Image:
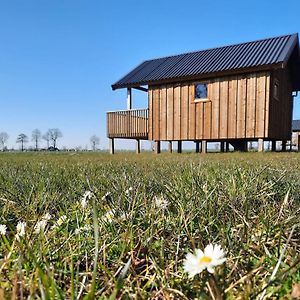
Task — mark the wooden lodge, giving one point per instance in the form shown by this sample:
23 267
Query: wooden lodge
232 95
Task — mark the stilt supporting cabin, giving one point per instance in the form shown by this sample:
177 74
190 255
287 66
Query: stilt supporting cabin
157 147
296 132
138 146
222 146
170 147
111 146
179 146
273 146
227 146
260 145
243 93
197 146
204 147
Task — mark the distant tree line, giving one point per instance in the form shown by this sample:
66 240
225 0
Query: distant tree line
51 137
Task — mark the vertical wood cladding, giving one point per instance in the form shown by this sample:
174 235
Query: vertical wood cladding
237 107
281 107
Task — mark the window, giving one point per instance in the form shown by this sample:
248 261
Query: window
276 89
201 91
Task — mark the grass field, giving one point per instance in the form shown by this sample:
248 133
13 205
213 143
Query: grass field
128 237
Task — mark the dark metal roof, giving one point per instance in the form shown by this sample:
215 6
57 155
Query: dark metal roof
296 125
261 53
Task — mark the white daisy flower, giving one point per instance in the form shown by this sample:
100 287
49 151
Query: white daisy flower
129 190
77 231
40 226
47 217
85 228
85 199
210 258
61 220
109 216
160 202
3 229
20 229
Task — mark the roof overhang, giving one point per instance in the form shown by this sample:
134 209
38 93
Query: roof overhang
199 76
256 56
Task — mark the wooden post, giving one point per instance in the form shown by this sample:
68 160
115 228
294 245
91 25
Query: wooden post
179 147
111 146
157 147
197 146
298 141
129 99
170 147
260 145
222 146
283 146
138 146
273 148
204 147
226 146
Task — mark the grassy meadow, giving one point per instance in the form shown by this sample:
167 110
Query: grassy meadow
94 227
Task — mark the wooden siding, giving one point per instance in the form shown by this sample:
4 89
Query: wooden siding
237 108
281 107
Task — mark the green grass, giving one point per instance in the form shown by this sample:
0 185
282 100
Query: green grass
248 203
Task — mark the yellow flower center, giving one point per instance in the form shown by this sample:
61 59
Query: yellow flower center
205 260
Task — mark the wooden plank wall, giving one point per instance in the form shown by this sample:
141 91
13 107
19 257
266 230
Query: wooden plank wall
238 108
281 108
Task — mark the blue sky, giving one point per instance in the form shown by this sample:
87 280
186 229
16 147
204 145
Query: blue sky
58 58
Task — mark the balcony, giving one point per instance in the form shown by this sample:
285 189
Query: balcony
128 124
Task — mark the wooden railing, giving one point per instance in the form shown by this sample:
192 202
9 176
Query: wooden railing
128 124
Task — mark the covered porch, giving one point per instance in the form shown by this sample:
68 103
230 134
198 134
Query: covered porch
128 124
